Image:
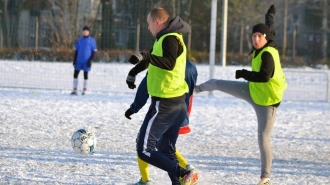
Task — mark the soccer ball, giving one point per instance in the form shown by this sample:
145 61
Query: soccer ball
83 141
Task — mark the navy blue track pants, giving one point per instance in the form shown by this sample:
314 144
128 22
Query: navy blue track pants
159 132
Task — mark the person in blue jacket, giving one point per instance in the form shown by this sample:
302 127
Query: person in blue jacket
140 100
85 49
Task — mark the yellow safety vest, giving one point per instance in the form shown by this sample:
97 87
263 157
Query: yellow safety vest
167 83
271 92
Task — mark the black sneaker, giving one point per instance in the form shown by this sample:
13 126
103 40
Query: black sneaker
74 93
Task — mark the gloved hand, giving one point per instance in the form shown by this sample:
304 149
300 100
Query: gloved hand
89 64
128 113
240 73
74 64
138 57
130 80
271 10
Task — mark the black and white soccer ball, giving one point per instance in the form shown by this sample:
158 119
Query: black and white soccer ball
83 141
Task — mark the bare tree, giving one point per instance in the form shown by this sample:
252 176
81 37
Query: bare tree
174 12
14 11
188 17
57 23
107 41
4 20
64 23
244 14
285 23
325 30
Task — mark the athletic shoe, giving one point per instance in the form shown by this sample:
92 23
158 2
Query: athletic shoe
264 181
74 93
190 167
190 178
197 90
144 183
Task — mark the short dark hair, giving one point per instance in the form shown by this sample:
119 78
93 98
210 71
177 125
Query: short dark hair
161 14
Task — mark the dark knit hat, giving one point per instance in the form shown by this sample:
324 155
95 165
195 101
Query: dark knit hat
262 28
86 28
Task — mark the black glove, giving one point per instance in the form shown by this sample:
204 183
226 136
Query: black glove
238 74
89 64
138 57
128 113
74 64
130 80
271 10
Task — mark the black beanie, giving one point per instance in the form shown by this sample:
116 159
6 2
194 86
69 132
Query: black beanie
262 28
85 28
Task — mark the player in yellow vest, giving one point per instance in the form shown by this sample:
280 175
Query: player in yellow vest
264 90
166 85
140 100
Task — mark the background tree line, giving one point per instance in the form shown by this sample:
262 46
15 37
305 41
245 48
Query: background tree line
120 26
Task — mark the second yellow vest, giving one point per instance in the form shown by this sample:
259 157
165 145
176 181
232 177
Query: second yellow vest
271 92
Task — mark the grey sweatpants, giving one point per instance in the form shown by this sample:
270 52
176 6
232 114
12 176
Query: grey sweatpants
265 116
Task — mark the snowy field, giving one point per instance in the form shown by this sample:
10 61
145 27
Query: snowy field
37 124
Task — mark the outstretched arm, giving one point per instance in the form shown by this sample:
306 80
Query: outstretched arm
171 50
269 21
264 74
75 58
140 99
141 96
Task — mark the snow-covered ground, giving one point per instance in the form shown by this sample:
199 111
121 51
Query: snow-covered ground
37 124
